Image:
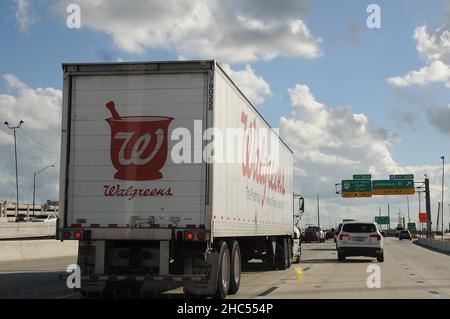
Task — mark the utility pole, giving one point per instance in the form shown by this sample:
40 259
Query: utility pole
407 203
318 212
34 182
442 200
421 224
15 156
428 205
389 216
438 213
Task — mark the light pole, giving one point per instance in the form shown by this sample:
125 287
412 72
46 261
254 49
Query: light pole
318 212
449 217
442 199
407 203
15 156
34 181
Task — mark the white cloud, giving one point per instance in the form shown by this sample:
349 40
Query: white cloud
225 30
254 87
38 140
25 15
434 48
333 143
437 71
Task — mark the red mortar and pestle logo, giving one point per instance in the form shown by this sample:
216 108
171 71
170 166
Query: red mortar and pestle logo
139 145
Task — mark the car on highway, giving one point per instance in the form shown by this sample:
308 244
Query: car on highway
314 234
398 229
329 233
22 218
360 239
404 234
44 218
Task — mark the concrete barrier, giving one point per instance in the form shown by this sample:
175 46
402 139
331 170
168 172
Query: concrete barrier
441 245
27 230
17 250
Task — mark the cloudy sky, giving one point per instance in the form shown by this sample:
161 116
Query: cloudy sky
348 99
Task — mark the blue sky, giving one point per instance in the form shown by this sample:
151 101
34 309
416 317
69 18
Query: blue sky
351 70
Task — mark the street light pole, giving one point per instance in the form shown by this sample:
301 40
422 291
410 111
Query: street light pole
407 202
318 212
442 200
15 157
34 182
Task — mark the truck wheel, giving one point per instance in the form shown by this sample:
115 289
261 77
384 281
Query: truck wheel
235 271
341 256
223 278
281 254
380 258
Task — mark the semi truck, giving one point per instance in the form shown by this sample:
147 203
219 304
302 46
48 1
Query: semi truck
170 177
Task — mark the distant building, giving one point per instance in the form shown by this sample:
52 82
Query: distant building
8 209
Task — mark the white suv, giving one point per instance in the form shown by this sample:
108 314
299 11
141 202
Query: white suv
360 239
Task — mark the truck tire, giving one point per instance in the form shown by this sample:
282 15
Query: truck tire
281 254
341 256
223 276
380 258
235 270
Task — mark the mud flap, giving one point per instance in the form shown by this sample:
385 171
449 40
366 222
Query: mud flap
206 288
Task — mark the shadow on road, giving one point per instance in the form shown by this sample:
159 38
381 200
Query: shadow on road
323 249
335 261
32 285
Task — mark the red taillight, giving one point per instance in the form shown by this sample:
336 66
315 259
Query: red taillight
342 236
201 236
66 234
378 236
189 236
78 234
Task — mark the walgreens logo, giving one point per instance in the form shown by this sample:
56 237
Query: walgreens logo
257 164
138 145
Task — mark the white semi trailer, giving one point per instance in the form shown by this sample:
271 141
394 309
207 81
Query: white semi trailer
170 177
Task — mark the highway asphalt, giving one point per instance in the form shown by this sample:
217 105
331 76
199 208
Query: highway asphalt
409 271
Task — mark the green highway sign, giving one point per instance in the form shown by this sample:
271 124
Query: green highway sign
382 220
411 226
356 188
356 185
362 176
404 176
393 187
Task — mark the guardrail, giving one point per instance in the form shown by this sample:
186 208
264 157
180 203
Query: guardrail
441 245
27 230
